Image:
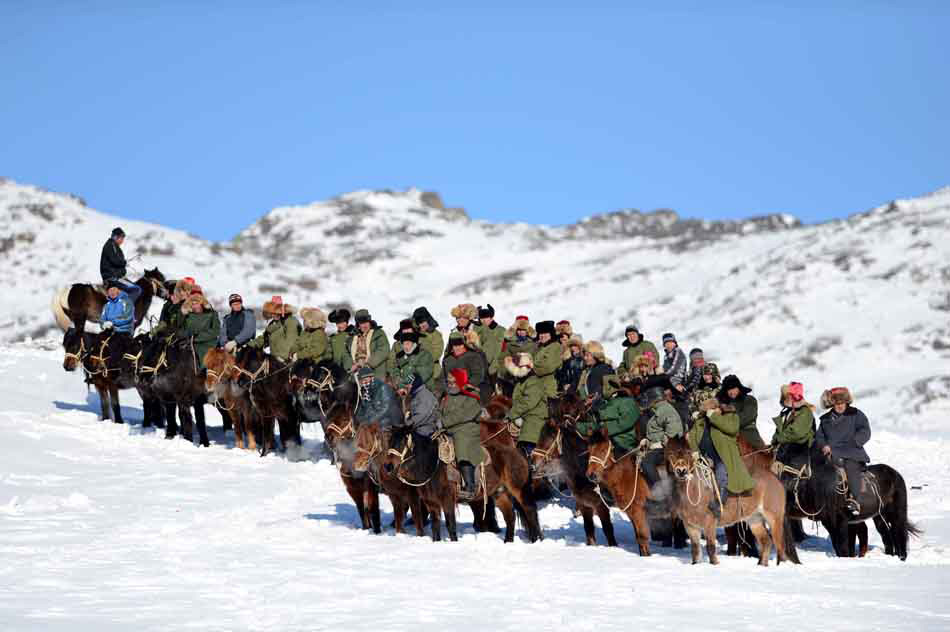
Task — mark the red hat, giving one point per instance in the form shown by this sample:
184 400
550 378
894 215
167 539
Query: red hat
277 300
563 322
522 317
461 378
190 280
195 290
796 391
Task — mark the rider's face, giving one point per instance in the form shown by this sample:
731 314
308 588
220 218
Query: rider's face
840 407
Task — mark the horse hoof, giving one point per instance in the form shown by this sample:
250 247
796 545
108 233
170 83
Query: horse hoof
119 421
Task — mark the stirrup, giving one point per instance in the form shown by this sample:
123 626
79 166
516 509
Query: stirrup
853 506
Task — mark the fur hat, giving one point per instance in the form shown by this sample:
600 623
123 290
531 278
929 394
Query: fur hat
644 364
403 336
362 316
564 327
521 322
339 315
668 337
711 368
732 381
313 318
401 333
520 368
276 307
546 327
596 349
836 395
633 327
471 339
794 391
465 310
183 287
486 312
573 341
421 314
196 297
456 338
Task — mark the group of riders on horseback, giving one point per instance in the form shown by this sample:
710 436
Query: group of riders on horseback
430 387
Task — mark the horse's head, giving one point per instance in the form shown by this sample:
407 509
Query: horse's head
400 449
300 373
75 345
679 458
601 455
249 363
219 364
547 451
569 409
369 445
156 279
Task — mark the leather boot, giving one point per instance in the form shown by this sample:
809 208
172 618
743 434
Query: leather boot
467 470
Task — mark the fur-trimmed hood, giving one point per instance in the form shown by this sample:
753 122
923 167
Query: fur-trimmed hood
627 343
187 306
838 394
564 327
524 365
566 347
597 350
183 288
313 318
465 310
273 310
521 322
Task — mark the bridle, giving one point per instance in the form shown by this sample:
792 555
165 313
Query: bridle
78 356
406 455
555 447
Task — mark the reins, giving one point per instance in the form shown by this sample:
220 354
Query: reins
609 461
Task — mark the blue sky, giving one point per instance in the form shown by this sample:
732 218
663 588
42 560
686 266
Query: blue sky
204 117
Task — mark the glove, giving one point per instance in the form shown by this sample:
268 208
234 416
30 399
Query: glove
230 346
518 422
644 444
106 325
293 356
777 468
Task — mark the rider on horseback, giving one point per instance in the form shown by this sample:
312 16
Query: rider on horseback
200 325
461 410
378 402
118 318
615 411
664 424
112 264
794 427
529 406
841 436
747 407
238 327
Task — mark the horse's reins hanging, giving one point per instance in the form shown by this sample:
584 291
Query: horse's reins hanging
609 461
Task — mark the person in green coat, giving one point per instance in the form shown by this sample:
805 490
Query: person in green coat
201 324
370 346
663 424
714 436
634 346
461 410
340 339
412 361
747 407
170 319
617 413
280 334
312 343
432 341
708 388
529 406
406 325
492 337
519 338
794 427
547 357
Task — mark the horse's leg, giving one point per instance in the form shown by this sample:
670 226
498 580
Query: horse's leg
679 533
435 515
839 536
885 534
371 502
226 421
490 523
762 537
200 418
114 400
148 409
732 539
503 502
448 509
399 512
171 427
798 530
103 394
603 512
695 550
641 527
588 514
187 423
712 545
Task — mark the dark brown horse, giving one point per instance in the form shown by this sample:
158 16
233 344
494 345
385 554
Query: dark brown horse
221 382
174 374
561 454
509 470
85 350
341 436
83 301
626 483
694 489
267 381
372 444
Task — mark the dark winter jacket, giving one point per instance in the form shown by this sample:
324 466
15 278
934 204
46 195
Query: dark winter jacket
204 328
845 434
674 365
747 407
695 378
238 326
570 373
379 403
112 261
594 384
424 412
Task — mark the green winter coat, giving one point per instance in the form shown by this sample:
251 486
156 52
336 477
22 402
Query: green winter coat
748 410
632 352
313 344
432 342
170 320
723 431
796 426
205 327
529 403
663 425
547 360
491 340
280 335
619 416
340 349
419 362
460 419
512 348
378 352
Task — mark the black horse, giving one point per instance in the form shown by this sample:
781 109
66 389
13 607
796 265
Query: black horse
267 380
883 498
83 301
318 388
172 372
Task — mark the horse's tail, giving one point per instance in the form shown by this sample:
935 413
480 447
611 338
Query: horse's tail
59 304
791 552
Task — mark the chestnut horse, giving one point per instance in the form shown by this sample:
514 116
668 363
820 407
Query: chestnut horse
694 490
221 382
267 380
626 484
512 471
372 444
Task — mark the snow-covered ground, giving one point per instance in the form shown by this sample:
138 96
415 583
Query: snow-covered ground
105 527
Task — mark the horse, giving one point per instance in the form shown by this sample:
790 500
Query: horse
414 460
694 489
221 383
372 443
561 453
314 387
83 301
819 495
172 370
507 468
267 381
626 484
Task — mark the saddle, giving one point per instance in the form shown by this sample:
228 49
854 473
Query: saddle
867 479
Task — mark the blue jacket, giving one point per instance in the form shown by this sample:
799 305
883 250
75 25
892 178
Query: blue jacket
120 312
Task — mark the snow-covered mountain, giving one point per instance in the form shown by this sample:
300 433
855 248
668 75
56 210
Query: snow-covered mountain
862 301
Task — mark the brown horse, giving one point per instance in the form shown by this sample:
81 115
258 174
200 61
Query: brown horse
221 382
561 453
694 489
626 484
83 301
267 381
509 470
372 444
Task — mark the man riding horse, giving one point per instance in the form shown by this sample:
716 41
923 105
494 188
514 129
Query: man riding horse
112 264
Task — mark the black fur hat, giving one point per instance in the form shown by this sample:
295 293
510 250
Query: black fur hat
341 315
546 327
486 312
422 314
